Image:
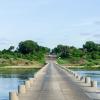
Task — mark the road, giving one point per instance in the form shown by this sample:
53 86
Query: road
54 84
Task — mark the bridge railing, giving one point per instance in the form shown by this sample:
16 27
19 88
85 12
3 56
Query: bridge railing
22 89
87 80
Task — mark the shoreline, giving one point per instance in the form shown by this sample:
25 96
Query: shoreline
92 68
23 66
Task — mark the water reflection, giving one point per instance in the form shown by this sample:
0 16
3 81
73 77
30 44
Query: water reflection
9 82
95 75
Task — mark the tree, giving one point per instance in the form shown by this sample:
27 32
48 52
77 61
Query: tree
74 52
28 46
90 46
11 48
62 51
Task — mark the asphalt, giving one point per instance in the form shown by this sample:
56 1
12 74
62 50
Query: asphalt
54 83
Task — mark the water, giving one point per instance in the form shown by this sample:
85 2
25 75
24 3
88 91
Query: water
95 75
10 82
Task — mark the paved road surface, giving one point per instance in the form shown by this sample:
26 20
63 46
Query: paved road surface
54 84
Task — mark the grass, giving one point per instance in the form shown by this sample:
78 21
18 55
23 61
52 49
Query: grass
82 64
63 61
21 68
18 70
71 61
85 68
9 63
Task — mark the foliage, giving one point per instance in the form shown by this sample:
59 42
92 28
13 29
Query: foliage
62 51
28 50
27 47
90 46
88 55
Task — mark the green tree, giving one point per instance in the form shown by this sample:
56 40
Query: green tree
90 46
28 46
61 51
11 48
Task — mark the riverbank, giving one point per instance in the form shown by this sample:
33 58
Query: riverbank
83 67
20 69
18 62
80 64
20 66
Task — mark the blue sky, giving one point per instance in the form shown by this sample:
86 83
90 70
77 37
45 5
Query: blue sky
49 22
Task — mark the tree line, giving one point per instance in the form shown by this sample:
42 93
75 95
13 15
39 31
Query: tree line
31 50
90 51
28 49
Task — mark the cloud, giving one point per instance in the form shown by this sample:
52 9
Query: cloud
85 34
97 41
96 35
97 22
4 41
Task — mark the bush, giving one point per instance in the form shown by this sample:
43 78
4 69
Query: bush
89 64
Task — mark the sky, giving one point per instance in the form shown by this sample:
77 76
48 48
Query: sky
49 22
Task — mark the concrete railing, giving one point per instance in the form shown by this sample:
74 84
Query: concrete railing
22 89
13 96
86 80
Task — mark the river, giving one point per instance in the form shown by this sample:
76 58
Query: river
95 75
9 82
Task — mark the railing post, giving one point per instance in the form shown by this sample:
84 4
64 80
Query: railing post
87 80
31 81
21 89
27 84
94 84
13 96
82 78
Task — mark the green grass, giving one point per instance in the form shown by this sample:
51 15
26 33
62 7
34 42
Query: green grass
88 64
86 68
63 61
18 70
71 61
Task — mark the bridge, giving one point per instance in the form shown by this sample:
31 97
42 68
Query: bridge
53 82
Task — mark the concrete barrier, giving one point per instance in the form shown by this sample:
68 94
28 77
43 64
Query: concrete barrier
13 96
82 78
79 77
21 89
94 84
73 72
27 84
31 81
87 80
76 75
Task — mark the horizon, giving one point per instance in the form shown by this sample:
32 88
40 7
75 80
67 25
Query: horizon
49 22
15 47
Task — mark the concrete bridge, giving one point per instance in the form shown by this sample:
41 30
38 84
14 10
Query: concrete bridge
53 82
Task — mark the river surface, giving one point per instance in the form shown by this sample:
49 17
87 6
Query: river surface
95 75
10 82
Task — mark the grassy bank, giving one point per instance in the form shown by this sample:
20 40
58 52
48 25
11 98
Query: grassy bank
82 64
18 70
21 66
85 68
72 61
20 62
